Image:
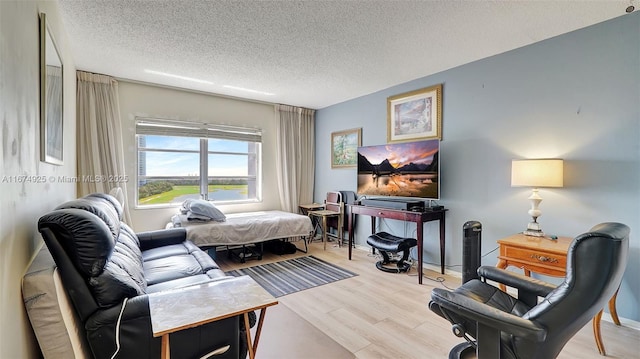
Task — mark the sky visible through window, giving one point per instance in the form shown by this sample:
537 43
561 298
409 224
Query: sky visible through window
188 163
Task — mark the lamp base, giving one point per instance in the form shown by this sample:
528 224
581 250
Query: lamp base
534 229
533 233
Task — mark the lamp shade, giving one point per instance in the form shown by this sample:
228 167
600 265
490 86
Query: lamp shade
537 173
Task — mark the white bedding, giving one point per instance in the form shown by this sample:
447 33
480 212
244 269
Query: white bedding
246 228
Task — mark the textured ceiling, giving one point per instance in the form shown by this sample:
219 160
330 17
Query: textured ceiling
308 53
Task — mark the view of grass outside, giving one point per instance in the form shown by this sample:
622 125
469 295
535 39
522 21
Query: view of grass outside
169 169
193 190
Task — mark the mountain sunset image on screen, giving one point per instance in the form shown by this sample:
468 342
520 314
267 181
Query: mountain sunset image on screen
408 169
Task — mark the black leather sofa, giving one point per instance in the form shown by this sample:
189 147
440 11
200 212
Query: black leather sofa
102 261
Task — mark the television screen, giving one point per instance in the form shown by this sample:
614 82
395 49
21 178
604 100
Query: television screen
409 169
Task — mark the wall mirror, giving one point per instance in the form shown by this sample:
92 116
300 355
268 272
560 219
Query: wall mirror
51 120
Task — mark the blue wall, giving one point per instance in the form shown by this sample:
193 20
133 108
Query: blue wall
575 96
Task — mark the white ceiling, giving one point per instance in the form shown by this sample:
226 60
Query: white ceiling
308 53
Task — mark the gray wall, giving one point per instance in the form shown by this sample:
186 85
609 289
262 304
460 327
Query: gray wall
576 97
21 204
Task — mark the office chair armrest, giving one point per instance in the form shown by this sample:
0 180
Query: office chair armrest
487 315
515 280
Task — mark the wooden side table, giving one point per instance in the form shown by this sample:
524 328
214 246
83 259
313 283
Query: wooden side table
305 209
178 309
324 214
546 256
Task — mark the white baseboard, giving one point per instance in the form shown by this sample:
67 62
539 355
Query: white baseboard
629 323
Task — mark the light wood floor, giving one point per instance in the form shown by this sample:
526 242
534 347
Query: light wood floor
385 315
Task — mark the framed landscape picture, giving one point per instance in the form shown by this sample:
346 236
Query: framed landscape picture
415 115
344 147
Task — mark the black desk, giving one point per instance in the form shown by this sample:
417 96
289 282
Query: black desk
417 217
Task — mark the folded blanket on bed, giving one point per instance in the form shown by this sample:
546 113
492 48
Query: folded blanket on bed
201 210
181 220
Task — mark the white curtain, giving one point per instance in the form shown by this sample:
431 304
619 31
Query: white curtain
100 151
295 155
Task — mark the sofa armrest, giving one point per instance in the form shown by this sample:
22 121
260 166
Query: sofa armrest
160 238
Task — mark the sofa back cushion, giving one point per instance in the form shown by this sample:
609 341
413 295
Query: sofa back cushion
105 251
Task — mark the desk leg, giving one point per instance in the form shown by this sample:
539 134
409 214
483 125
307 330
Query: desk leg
165 351
341 229
442 243
373 231
324 231
420 232
352 217
247 329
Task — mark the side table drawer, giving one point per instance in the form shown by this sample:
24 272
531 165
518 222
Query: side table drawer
535 257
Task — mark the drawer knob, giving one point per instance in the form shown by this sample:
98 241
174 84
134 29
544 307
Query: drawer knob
544 259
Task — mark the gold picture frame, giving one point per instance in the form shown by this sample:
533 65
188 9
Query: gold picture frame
415 115
51 98
344 148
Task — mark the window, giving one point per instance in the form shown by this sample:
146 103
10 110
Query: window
179 160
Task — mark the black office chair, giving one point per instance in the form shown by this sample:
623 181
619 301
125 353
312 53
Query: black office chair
497 325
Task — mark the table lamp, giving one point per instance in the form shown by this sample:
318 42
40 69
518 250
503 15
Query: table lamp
536 173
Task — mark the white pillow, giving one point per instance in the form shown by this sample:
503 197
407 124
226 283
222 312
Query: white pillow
118 194
202 208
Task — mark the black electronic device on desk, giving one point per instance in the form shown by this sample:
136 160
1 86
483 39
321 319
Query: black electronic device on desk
433 208
394 203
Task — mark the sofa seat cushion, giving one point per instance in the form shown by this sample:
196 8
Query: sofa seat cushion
184 282
186 247
177 266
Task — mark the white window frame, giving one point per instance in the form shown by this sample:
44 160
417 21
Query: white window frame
203 131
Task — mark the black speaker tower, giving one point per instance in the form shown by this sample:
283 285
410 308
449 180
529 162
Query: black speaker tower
471 248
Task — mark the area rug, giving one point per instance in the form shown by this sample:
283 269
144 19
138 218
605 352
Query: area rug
294 275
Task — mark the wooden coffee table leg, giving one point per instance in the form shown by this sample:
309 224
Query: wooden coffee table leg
247 329
164 349
259 329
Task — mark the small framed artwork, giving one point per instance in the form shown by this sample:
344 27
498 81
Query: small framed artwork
344 147
51 126
415 115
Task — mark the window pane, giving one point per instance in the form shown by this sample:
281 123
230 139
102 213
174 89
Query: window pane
167 177
228 165
216 145
169 168
228 178
169 142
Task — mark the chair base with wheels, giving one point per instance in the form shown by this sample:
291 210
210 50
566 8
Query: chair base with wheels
389 244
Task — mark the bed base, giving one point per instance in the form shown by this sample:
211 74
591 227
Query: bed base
245 252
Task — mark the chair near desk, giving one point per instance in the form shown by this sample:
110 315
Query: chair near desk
331 216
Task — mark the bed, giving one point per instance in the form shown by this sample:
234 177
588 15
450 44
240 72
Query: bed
241 229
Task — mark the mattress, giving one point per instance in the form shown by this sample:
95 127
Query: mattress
245 228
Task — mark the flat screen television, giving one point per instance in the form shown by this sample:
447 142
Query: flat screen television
409 169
